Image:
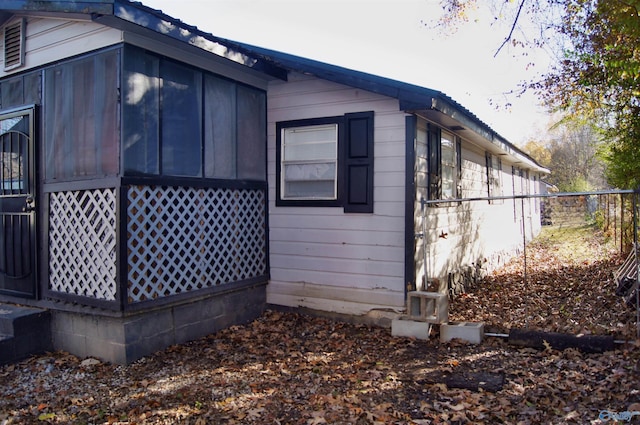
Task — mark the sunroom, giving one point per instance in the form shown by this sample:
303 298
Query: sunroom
144 191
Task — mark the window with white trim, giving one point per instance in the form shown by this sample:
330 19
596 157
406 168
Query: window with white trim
449 165
494 178
309 162
444 162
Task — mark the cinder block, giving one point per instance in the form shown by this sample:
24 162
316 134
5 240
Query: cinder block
431 307
467 331
66 341
410 328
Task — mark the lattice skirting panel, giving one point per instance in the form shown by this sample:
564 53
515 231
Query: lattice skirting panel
82 243
182 239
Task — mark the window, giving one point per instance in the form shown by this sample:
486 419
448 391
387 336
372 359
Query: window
81 110
182 121
516 181
310 162
449 166
326 162
494 178
536 188
445 164
21 90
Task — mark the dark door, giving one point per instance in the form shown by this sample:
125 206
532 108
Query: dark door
17 204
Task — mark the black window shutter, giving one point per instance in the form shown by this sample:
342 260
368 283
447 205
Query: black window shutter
458 168
358 163
487 157
435 165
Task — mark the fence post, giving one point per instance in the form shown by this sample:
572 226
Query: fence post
635 250
524 256
621 222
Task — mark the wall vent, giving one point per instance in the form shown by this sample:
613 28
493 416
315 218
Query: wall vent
14 45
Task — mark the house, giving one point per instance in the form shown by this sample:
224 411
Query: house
160 183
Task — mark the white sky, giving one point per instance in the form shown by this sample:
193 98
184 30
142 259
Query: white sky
388 38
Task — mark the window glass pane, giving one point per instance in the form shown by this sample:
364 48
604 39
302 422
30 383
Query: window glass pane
448 165
83 140
310 190
12 90
309 162
310 143
310 151
140 111
107 129
252 130
448 182
448 149
220 128
14 150
21 90
317 133
497 176
447 189
316 171
33 87
421 134
81 130
181 120
447 173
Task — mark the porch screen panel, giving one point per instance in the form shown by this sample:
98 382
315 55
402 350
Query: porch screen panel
181 122
251 134
21 90
81 118
141 112
220 128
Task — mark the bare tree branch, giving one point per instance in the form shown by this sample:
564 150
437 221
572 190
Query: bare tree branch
513 27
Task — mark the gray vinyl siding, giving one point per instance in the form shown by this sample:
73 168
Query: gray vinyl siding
49 40
476 232
320 257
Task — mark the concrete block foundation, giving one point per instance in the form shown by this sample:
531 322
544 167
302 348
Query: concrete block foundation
125 339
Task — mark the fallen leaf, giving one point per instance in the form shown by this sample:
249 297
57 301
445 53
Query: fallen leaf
46 416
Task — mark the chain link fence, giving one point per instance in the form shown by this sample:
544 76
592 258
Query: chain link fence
578 275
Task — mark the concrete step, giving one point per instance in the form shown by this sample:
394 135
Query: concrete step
23 331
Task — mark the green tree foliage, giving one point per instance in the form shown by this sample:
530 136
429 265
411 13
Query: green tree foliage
599 79
570 151
575 166
539 151
597 74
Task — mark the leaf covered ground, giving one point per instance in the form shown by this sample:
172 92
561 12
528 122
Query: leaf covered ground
287 368
568 287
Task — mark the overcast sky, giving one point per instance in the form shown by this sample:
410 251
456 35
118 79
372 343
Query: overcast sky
391 38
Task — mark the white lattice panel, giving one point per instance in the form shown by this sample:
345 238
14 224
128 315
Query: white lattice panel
181 239
82 243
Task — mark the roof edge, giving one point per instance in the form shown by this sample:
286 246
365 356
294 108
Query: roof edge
104 7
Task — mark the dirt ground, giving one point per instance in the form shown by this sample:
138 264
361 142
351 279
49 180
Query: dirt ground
286 368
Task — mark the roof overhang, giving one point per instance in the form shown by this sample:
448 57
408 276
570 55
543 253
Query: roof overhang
458 120
431 104
137 18
54 8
